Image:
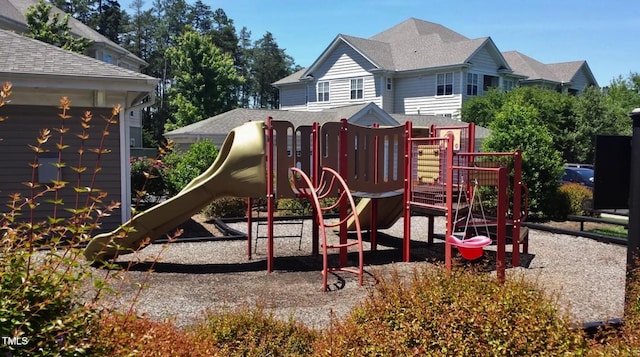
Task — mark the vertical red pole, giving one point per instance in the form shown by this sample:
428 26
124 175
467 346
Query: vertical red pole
502 224
344 173
249 226
270 198
449 202
406 243
315 172
472 138
517 208
373 225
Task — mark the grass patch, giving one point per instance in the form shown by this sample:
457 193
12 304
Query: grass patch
611 231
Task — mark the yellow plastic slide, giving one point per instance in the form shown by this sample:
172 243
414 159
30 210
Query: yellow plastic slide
239 170
389 211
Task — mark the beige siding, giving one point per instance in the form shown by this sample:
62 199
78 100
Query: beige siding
417 95
579 82
293 97
338 69
22 128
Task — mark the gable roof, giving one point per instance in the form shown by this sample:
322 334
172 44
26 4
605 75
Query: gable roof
13 13
24 57
223 123
535 70
412 45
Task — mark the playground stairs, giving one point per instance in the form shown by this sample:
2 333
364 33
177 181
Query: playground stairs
331 183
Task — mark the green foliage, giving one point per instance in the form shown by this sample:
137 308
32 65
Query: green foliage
577 194
253 332
184 167
44 297
147 181
464 314
517 126
50 28
481 110
205 80
227 207
269 63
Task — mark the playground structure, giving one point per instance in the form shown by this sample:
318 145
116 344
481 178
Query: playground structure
414 170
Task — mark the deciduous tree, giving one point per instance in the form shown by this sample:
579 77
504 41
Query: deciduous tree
205 80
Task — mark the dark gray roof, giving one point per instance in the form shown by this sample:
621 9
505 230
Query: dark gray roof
225 122
22 55
411 45
13 12
535 70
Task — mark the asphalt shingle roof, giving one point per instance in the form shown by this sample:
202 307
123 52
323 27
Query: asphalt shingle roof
535 70
23 55
411 45
14 11
225 122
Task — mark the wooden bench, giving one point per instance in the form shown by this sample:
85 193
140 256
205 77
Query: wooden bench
583 219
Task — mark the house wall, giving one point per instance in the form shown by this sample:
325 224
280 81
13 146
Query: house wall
580 81
22 127
342 65
417 95
294 97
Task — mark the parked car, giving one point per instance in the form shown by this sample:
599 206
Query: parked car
581 175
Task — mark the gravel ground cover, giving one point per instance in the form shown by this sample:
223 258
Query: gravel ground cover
587 276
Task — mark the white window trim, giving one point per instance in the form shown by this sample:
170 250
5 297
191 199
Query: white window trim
445 84
327 91
475 83
351 88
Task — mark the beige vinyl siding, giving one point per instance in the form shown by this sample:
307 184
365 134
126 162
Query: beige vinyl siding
417 95
483 64
579 81
22 128
342 65
293 97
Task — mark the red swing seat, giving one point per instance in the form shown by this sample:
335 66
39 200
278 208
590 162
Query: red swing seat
471 248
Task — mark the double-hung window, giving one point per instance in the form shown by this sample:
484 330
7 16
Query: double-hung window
323 91
472 84
444 84
357 86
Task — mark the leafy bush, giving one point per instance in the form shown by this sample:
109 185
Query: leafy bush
464 314
226 207
253 332
43 303
184 167
517 126
147 181
577 194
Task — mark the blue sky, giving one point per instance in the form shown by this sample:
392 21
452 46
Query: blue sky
604 33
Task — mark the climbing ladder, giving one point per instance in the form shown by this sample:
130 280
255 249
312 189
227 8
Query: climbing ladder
330 182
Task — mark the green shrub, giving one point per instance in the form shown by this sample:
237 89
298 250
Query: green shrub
147 181
184 167
253 332
226 207
577 194
464 314
43 303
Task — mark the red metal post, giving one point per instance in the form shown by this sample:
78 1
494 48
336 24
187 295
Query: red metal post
344 172
373 228
270 192
517 207
449 202
315 177
249 226
406 243
502 223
